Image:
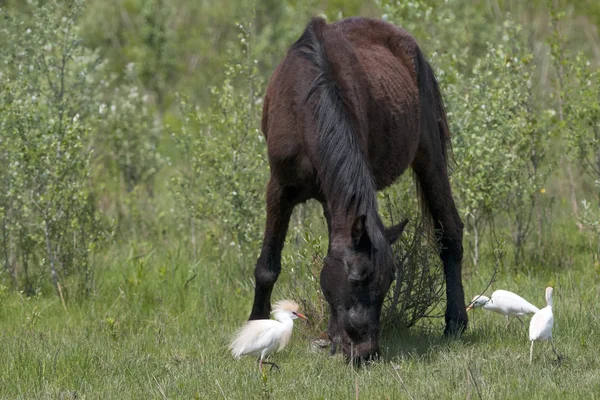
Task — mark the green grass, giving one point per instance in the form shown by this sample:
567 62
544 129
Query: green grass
146 334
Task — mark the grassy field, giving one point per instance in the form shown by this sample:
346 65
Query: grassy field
159 327
133 127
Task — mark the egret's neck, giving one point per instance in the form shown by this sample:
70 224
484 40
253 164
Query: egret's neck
549 299
284 318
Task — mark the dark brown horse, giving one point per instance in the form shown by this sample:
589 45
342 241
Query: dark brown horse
350 108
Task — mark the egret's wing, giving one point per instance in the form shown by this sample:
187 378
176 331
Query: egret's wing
285 338
513 303
255 336
540 327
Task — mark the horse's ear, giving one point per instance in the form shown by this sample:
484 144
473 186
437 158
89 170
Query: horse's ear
393 232
359 232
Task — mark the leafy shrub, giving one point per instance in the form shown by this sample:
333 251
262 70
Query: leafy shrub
582 115
47 209
502 140
131 135
223 180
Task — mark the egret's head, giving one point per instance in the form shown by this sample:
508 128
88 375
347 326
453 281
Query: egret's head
289 307
478 301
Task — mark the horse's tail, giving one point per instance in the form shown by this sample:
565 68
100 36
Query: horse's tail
342 99
433 113
433 120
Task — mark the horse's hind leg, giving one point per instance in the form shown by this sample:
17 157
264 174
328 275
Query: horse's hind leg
430 168
280 204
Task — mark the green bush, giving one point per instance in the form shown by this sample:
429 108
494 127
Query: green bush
47 208
502 140
131 136
582 124
225 172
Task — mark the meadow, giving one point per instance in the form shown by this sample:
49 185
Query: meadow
133 172
151 332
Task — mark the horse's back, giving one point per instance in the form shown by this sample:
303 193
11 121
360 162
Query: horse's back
386 55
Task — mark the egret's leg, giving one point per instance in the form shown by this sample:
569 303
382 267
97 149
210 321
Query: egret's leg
531 352
554 350
507 322
521 321
261 362
272 364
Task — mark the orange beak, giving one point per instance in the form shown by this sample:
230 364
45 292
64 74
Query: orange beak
469 307
300 315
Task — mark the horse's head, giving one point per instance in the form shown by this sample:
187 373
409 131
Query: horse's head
357 273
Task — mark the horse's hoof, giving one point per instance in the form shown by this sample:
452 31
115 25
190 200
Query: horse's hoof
333 349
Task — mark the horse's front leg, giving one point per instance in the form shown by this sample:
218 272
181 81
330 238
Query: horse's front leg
333 332
280 204
327 215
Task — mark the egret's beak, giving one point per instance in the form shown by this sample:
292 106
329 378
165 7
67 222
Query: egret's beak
300 316
469 307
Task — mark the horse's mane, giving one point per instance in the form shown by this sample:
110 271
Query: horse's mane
342 97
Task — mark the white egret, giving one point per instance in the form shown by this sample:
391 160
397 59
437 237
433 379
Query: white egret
506 303
540 327
261 337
